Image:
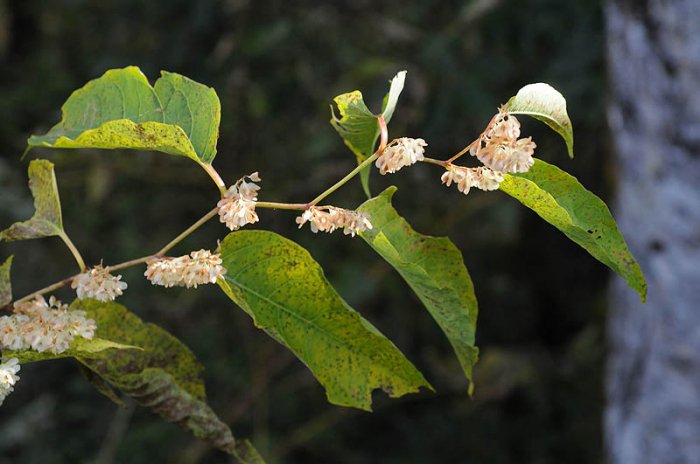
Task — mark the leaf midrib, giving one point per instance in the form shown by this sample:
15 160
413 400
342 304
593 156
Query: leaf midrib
358 349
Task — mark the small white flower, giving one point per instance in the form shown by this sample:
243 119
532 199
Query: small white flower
356 222
509 156
237 207
504 127
399 153
487 179
164 271
482 178
98 283
499 148
199 268
203 268
43 326
8 377
329 219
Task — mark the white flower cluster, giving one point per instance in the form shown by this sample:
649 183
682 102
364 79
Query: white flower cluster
98 283
8 377
482 178
399 153
199 268
237 207
43 326
329 219
500 149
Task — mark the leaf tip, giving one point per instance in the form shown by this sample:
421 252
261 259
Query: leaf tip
388 193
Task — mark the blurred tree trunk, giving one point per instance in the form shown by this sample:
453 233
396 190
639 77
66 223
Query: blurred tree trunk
653 383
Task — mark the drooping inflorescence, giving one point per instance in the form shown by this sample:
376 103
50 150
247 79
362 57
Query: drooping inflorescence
501 152
399 153
499 148
330 218
198 268
99 284
237 207
8 377
44 326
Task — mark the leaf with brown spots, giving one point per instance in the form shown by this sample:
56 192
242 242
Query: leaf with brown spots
120 110
79 347
5 284
561 200
47 220
433 267
284 290
163 375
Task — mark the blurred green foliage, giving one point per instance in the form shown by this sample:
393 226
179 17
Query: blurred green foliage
276 66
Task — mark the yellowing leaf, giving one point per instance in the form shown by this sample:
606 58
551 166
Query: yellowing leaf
284 290
163 375
120 109
79 347
544 102
125 134
5 284
433 268
46 220
117 94
561 200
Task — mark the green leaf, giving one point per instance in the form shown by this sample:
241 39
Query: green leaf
247 454
358 126
120 109
118 94
433 267
78 348
125 134
5 284
543 102
284 290
164 375
46 220
561 200
193 107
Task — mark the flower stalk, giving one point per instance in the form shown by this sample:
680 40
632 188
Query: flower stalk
73 249
383 140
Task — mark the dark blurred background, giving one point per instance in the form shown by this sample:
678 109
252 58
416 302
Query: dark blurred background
276 65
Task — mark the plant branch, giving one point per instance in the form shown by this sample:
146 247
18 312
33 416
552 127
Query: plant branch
464 150
130 263
50 288
188 231
444 164
384 136
273 205
125 264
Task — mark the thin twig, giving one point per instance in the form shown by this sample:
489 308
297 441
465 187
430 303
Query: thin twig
444 164
130 263
384 136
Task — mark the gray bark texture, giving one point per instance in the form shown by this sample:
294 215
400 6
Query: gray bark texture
653 377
